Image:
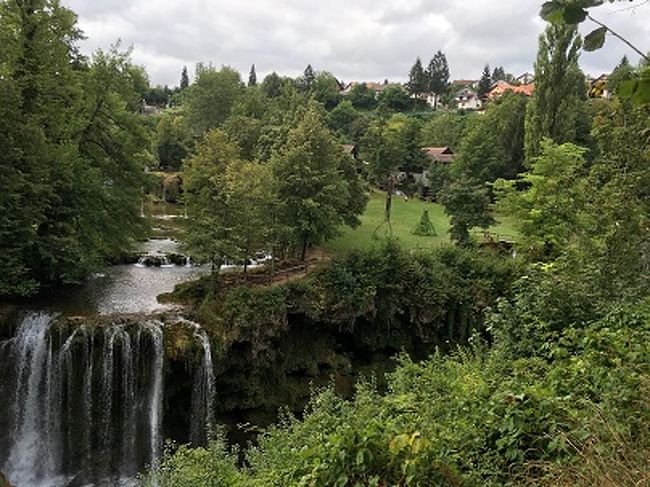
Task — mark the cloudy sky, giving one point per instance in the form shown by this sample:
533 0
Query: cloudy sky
354 39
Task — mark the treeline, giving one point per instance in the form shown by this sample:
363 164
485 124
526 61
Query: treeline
71 165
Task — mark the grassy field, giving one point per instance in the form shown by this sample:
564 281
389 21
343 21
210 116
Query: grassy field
405 215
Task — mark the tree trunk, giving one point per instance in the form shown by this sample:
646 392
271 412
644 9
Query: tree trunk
390 189
303 254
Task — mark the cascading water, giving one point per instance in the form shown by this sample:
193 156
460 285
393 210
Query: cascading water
84 403
203 389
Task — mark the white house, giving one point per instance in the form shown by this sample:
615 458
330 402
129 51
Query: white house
467 99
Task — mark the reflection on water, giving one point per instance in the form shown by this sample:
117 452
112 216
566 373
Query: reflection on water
120 289
130 288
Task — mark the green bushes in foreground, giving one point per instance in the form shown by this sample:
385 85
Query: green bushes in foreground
560 397
474 418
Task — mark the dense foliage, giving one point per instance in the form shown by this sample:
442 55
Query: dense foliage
72 147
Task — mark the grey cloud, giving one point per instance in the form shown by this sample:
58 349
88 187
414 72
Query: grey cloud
354 39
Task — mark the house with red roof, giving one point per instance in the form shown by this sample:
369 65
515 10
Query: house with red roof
502 86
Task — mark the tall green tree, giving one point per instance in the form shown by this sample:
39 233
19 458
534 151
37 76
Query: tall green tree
308 77
557 103
314 194
418 82
271 85
185 79
447 129
552 211
394 98
210 236
78 164
390 146
248 188
485 83
494 146
252 77
438 76
173 141
210 99
467 204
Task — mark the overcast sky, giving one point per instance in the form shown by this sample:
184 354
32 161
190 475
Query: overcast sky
355 39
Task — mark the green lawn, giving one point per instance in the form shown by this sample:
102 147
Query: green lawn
405 215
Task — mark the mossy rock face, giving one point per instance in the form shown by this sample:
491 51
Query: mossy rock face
8 320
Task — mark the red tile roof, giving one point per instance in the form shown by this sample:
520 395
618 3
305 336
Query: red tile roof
501 87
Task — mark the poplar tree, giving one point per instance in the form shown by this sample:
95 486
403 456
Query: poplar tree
555 107
185 79
437 75
252 77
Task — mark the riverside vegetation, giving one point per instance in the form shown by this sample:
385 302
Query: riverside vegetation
401 359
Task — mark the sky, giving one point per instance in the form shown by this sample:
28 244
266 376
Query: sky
356 40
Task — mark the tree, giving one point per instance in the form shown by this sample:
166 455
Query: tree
271 85
417 83
499 74
185 79
551 210
173 141
245 131
341 119
424 228
395 98
325 89
73 172
467 204
210 99
248 189
308 77
494 146
391 145
210 235
447 129
362 97
622 72
438 76
485 83
313 193
252 77
556 104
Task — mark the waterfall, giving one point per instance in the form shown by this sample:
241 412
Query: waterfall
84 402
155 407
203 389
31 445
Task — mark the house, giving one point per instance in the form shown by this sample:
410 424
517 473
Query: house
525 79
467 99
598 88
351 149
443 155
377 88
501 87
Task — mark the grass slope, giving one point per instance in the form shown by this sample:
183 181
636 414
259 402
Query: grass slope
405 215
